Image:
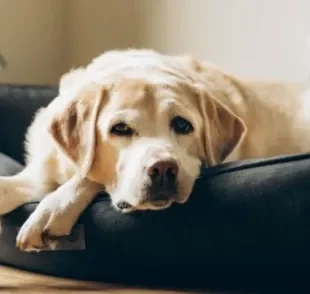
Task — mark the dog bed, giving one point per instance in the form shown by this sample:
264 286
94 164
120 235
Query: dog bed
247 224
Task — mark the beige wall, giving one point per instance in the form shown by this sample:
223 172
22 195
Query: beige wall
98 25
256 38
31 38
41 39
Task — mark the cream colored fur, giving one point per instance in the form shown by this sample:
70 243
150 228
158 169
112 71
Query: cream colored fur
71 155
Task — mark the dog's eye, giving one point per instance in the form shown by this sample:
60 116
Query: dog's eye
121 129
181 126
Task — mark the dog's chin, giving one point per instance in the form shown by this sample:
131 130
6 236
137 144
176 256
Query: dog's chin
159 205
132 205
151 205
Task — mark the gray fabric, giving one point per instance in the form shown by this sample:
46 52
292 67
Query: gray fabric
9 166
18 103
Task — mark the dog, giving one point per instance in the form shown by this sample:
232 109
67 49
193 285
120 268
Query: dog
139 125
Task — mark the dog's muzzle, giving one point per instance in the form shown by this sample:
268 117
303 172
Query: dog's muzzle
161 190
162 175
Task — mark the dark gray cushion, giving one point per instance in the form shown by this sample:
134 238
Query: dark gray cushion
246 226
18 103
9 166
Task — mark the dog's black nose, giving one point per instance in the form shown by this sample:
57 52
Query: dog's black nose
163 168
163 175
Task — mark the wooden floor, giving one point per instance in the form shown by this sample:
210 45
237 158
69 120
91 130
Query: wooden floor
17 281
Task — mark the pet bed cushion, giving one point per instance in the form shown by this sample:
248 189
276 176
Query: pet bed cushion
247 224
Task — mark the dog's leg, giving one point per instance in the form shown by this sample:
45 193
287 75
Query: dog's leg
56 214
19 189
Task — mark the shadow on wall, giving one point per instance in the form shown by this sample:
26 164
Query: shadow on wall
3 62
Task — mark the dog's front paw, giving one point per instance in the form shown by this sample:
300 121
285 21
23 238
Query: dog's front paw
43 228
33 237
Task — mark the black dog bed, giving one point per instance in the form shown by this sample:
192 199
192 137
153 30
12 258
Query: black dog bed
246 225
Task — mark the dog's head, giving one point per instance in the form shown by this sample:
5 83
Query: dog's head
142 124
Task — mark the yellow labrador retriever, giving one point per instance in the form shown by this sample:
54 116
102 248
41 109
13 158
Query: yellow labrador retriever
140 125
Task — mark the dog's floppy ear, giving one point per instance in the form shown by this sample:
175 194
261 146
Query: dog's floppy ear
74 127
223 130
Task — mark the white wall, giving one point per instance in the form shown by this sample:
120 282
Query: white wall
254 38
